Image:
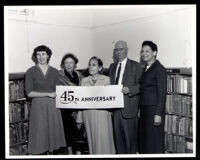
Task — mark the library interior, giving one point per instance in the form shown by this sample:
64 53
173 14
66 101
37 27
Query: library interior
89 31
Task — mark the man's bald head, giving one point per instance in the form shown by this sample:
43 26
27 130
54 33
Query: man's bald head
121 43
121 50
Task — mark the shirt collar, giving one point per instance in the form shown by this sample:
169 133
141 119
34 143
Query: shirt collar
123 62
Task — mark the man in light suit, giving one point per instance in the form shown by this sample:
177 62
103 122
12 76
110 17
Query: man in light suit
125 121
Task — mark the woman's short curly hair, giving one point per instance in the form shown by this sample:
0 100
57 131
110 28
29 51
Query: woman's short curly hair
68 55
41 48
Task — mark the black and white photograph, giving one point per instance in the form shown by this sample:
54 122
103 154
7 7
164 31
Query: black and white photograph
100 81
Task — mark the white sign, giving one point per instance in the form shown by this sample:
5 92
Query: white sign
89 97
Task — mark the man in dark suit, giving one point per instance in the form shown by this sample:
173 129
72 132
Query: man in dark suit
125 121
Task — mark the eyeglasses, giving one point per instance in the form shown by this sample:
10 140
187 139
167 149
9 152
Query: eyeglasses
119 49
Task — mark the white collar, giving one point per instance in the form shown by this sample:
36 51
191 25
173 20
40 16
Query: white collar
148 66
123 62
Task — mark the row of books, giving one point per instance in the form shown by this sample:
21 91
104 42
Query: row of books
18 133
179 83
179 104
16 90
177 144
19 150
178 125
183 71
19 111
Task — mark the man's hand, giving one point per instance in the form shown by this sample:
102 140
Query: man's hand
125 90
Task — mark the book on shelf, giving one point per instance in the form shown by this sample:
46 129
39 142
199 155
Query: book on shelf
177 144
178 119
16 90
13 134
189 147
185 71
23 149
19 150
178 125
14 151
19 111
179 104
179 84
18 133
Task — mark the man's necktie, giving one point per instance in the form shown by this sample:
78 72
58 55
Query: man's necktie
118 74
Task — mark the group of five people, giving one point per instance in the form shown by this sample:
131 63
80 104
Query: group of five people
108 131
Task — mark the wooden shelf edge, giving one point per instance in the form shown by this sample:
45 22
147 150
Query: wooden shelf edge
13 145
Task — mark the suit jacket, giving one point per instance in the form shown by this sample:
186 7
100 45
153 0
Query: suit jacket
154 87
131 79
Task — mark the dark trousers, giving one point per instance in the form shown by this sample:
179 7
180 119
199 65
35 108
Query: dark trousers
151 138
125 133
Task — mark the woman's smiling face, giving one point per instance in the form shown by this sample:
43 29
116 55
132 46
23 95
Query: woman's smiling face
42 57
69 64
147 53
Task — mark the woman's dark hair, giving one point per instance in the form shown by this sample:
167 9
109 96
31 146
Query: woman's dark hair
150 44
41 48
68 55
99 61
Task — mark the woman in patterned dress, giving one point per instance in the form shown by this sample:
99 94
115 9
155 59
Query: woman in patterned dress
46 132
69 76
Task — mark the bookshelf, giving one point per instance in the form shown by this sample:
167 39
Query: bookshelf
178 118
19 109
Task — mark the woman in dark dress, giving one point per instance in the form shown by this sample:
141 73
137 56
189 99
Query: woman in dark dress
152 102
70 77
46 132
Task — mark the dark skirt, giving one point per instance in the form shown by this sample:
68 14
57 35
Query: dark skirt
151 138
75 138
69 126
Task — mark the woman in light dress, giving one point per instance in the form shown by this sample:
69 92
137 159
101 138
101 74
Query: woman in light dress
98 122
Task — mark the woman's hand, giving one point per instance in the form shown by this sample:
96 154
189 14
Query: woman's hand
157 120
79 125
125 90
74 114
52 95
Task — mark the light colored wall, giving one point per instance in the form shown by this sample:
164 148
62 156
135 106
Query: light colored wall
121 13
173 32
64 15
61 33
